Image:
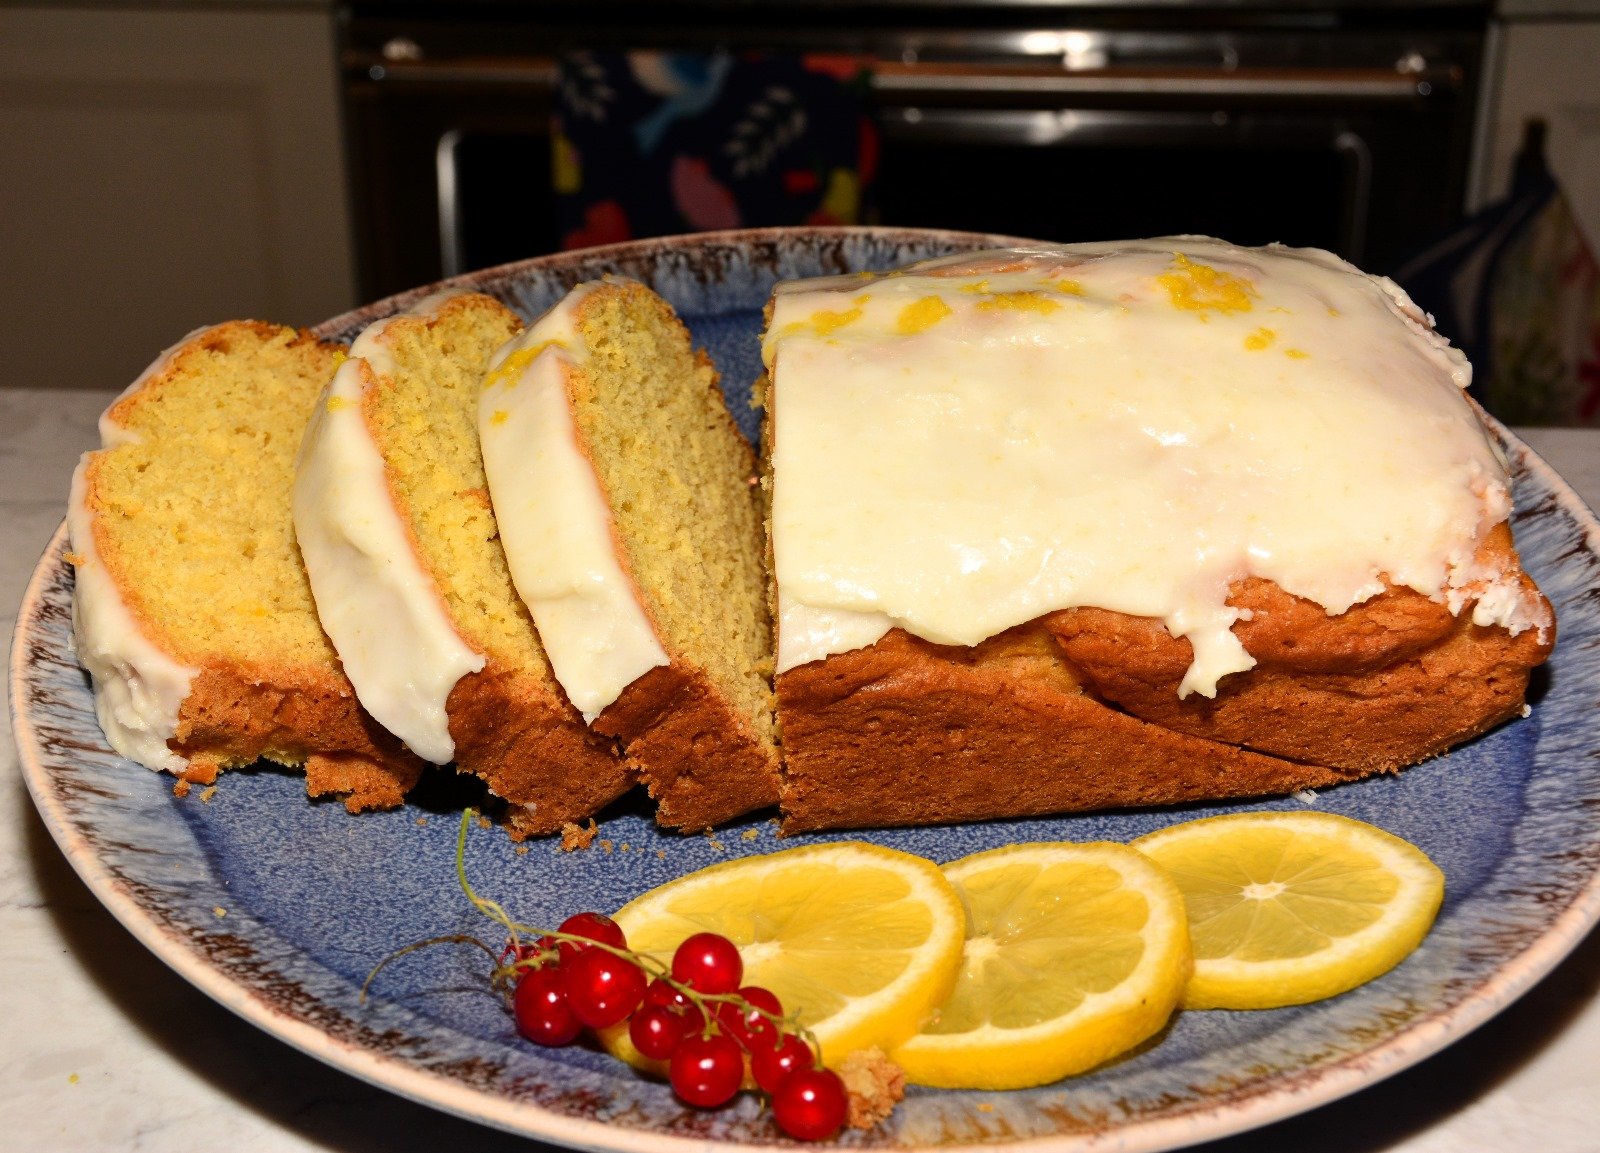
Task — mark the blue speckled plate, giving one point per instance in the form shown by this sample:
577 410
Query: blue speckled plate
278 906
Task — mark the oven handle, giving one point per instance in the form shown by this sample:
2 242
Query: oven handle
1336 84
534 72
910 80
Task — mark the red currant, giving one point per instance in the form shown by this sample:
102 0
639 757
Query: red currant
708 963
811 1104
706 1070
602 989
771 1065
745 1023
596 927
541 1009
655 1031
662 994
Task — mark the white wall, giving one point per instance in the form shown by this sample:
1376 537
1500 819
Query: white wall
1549 68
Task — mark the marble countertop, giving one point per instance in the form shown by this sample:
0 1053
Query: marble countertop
103 1047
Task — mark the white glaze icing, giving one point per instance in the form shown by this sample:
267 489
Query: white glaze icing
968 444
554 521
377 603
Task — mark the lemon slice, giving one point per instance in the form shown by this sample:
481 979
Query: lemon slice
861 941
1286 908
1074 953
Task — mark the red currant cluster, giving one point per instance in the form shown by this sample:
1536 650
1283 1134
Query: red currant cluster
694 1015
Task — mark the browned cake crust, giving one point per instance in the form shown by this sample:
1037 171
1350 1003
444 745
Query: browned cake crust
294 716
905 732
704 765
533 750
1390 682
1080 710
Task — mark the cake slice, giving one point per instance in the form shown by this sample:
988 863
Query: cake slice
626 502
394 521
191 610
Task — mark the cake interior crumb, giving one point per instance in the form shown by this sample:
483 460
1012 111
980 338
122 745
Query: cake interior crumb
875 1085
575 836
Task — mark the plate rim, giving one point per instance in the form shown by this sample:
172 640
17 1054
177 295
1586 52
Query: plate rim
1231 1114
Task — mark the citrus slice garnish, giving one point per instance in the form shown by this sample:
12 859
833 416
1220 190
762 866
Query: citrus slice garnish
1074 954
861 941
1286 908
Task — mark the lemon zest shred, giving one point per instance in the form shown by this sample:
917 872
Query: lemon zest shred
1024 301
512 368
921 315
1196 287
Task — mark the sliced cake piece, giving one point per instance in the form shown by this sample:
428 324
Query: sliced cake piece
191 610
394 522
625 499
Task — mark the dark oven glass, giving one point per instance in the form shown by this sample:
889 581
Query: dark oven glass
1348 129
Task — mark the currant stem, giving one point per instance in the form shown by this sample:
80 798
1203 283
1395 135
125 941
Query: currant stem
448 939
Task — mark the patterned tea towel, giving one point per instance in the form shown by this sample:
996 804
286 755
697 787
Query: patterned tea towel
1517 288
656 143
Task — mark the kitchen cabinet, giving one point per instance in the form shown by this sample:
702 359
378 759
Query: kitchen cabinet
160 169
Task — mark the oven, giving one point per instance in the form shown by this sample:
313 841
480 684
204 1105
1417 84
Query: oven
1344 124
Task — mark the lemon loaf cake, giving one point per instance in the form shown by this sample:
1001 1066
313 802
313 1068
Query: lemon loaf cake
1162 520
402 548
624 495
191 610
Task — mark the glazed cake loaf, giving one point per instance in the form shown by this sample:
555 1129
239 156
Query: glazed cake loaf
624 495
394 522
191 610
1127 524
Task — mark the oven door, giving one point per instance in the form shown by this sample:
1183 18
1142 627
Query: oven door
1365 162
452 166
1258 129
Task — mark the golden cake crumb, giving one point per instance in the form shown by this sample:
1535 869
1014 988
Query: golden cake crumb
875 1085
422 821
207 793
605 845
521 850
749 834
180 788
575 836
